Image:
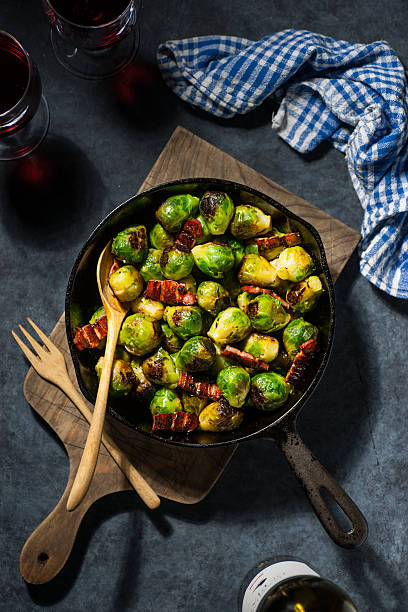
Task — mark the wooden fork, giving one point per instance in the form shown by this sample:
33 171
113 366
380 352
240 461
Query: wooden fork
50 364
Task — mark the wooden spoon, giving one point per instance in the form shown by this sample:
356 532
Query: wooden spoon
115 313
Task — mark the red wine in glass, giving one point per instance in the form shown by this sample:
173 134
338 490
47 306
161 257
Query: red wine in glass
14 74
90 12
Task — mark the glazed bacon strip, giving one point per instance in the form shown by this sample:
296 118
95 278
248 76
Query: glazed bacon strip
169 292
199 388
91 334
115 266
188 235
271 242
245 358
179 422
253 289
302 361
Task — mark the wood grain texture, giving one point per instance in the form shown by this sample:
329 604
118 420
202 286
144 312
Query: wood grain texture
185 475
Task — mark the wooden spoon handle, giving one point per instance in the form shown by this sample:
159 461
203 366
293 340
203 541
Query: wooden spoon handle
137 481
89 457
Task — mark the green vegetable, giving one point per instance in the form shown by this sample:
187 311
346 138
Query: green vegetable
294 264
175 211
230 325
140 334
238 248
196 355
160 369
234 382
213 259
296 333
122 377
265 312
304 295
192 403
249 221
159 238
171 342
165 400
205 232
190 282
98 314
256 270
212 297
217 209
269 390
145 305
143 389
176 263
130 245
262 347
126 283
185 321
151 268
219 416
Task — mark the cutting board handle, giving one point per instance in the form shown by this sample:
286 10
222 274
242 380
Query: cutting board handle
315 478
47 549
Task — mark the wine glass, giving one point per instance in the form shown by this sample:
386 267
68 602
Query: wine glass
93 39
24 116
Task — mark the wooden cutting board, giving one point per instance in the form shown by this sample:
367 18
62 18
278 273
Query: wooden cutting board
185 475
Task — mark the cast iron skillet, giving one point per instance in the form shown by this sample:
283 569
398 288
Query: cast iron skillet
82 299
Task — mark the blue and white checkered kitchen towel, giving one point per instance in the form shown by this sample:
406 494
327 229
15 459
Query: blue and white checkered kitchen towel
353 94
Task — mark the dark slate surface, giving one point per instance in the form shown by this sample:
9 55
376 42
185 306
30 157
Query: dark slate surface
193 558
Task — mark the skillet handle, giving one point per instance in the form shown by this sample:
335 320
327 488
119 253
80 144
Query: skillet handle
314 477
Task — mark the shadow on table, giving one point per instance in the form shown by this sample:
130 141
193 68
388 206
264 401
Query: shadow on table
49 193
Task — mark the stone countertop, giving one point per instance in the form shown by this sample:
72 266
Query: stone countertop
193 558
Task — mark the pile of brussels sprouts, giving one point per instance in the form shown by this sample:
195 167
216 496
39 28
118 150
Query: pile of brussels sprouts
158 340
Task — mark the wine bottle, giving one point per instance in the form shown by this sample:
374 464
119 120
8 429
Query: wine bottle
286 584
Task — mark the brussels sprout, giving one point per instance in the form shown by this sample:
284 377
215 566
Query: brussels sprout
205 232
176 263
140 334
171 342
122 377
98 314
190 282
217 209
238 248
165 400
265 312
234 383
213 259
231 284
229 326
185 321
151 268
159 238
303 296
175 211
219 416
256 270
145 305
160 369
192 403
126 283
251 248
282 362
269 254
130 245
296 333
269 390
249 221
196 355
212 297
294 264
121 353
143 389
262 347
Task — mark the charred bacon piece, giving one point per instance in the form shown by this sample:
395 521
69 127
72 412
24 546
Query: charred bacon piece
271 242
245 358
116 264
178 421
169 292
188 235
200 388
256 290
91 334
307 353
